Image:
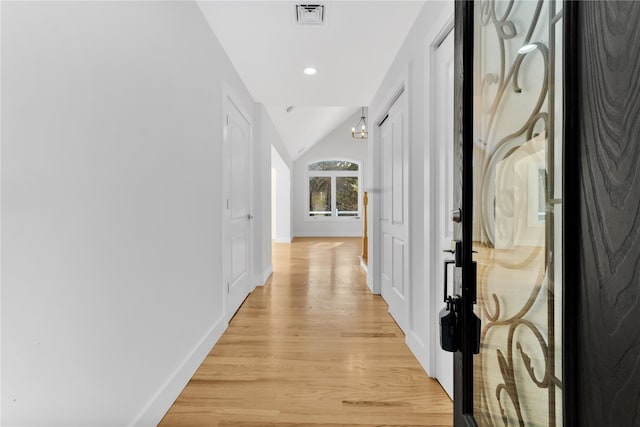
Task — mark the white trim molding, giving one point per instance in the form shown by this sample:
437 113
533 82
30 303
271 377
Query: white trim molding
161 402
329 234
432 42
266 274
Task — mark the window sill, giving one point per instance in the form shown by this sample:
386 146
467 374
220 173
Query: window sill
332 219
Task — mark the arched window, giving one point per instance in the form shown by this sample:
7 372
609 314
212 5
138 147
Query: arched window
334 189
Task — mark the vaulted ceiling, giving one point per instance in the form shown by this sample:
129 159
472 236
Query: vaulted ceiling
351 51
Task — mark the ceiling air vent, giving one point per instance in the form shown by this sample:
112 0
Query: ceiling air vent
310 14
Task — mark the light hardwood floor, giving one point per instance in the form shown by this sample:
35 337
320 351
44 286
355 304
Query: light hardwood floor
312 348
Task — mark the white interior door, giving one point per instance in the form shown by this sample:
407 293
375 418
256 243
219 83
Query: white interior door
237 213
394 160
443 226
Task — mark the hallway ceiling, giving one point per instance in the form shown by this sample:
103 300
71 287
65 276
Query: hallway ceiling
352 54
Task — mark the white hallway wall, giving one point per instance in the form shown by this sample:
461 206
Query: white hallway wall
338 145
268 138
282 165
412 63
282 171
111 207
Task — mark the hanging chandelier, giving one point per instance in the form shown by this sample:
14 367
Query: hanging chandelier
360 131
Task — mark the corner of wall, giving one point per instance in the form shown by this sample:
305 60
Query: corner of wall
160 403
283 239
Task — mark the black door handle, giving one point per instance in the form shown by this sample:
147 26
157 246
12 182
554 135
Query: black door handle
446 277
449 333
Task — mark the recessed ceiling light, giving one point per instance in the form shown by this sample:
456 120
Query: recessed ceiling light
310 71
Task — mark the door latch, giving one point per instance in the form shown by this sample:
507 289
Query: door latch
456 251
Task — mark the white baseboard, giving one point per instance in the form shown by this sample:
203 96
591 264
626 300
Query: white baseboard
160 403
419 350
363 265
283 239
329 234
267 273
370 282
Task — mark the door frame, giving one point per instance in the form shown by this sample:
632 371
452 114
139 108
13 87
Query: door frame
431 179
230 95
375 200
464 57
463 138
570 213
400 89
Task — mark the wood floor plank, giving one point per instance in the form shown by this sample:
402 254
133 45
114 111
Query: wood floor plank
315 348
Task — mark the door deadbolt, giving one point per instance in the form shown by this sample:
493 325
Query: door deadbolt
456 216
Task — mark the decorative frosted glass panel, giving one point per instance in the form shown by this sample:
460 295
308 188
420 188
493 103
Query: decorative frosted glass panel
517 236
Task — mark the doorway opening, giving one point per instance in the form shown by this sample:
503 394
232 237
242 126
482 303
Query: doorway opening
280 198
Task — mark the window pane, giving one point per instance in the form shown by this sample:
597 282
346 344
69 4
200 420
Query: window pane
347 195
320 196
333 165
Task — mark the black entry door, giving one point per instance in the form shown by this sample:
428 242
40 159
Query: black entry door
604 389
509 185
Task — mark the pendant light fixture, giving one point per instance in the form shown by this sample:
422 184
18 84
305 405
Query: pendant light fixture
360 131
